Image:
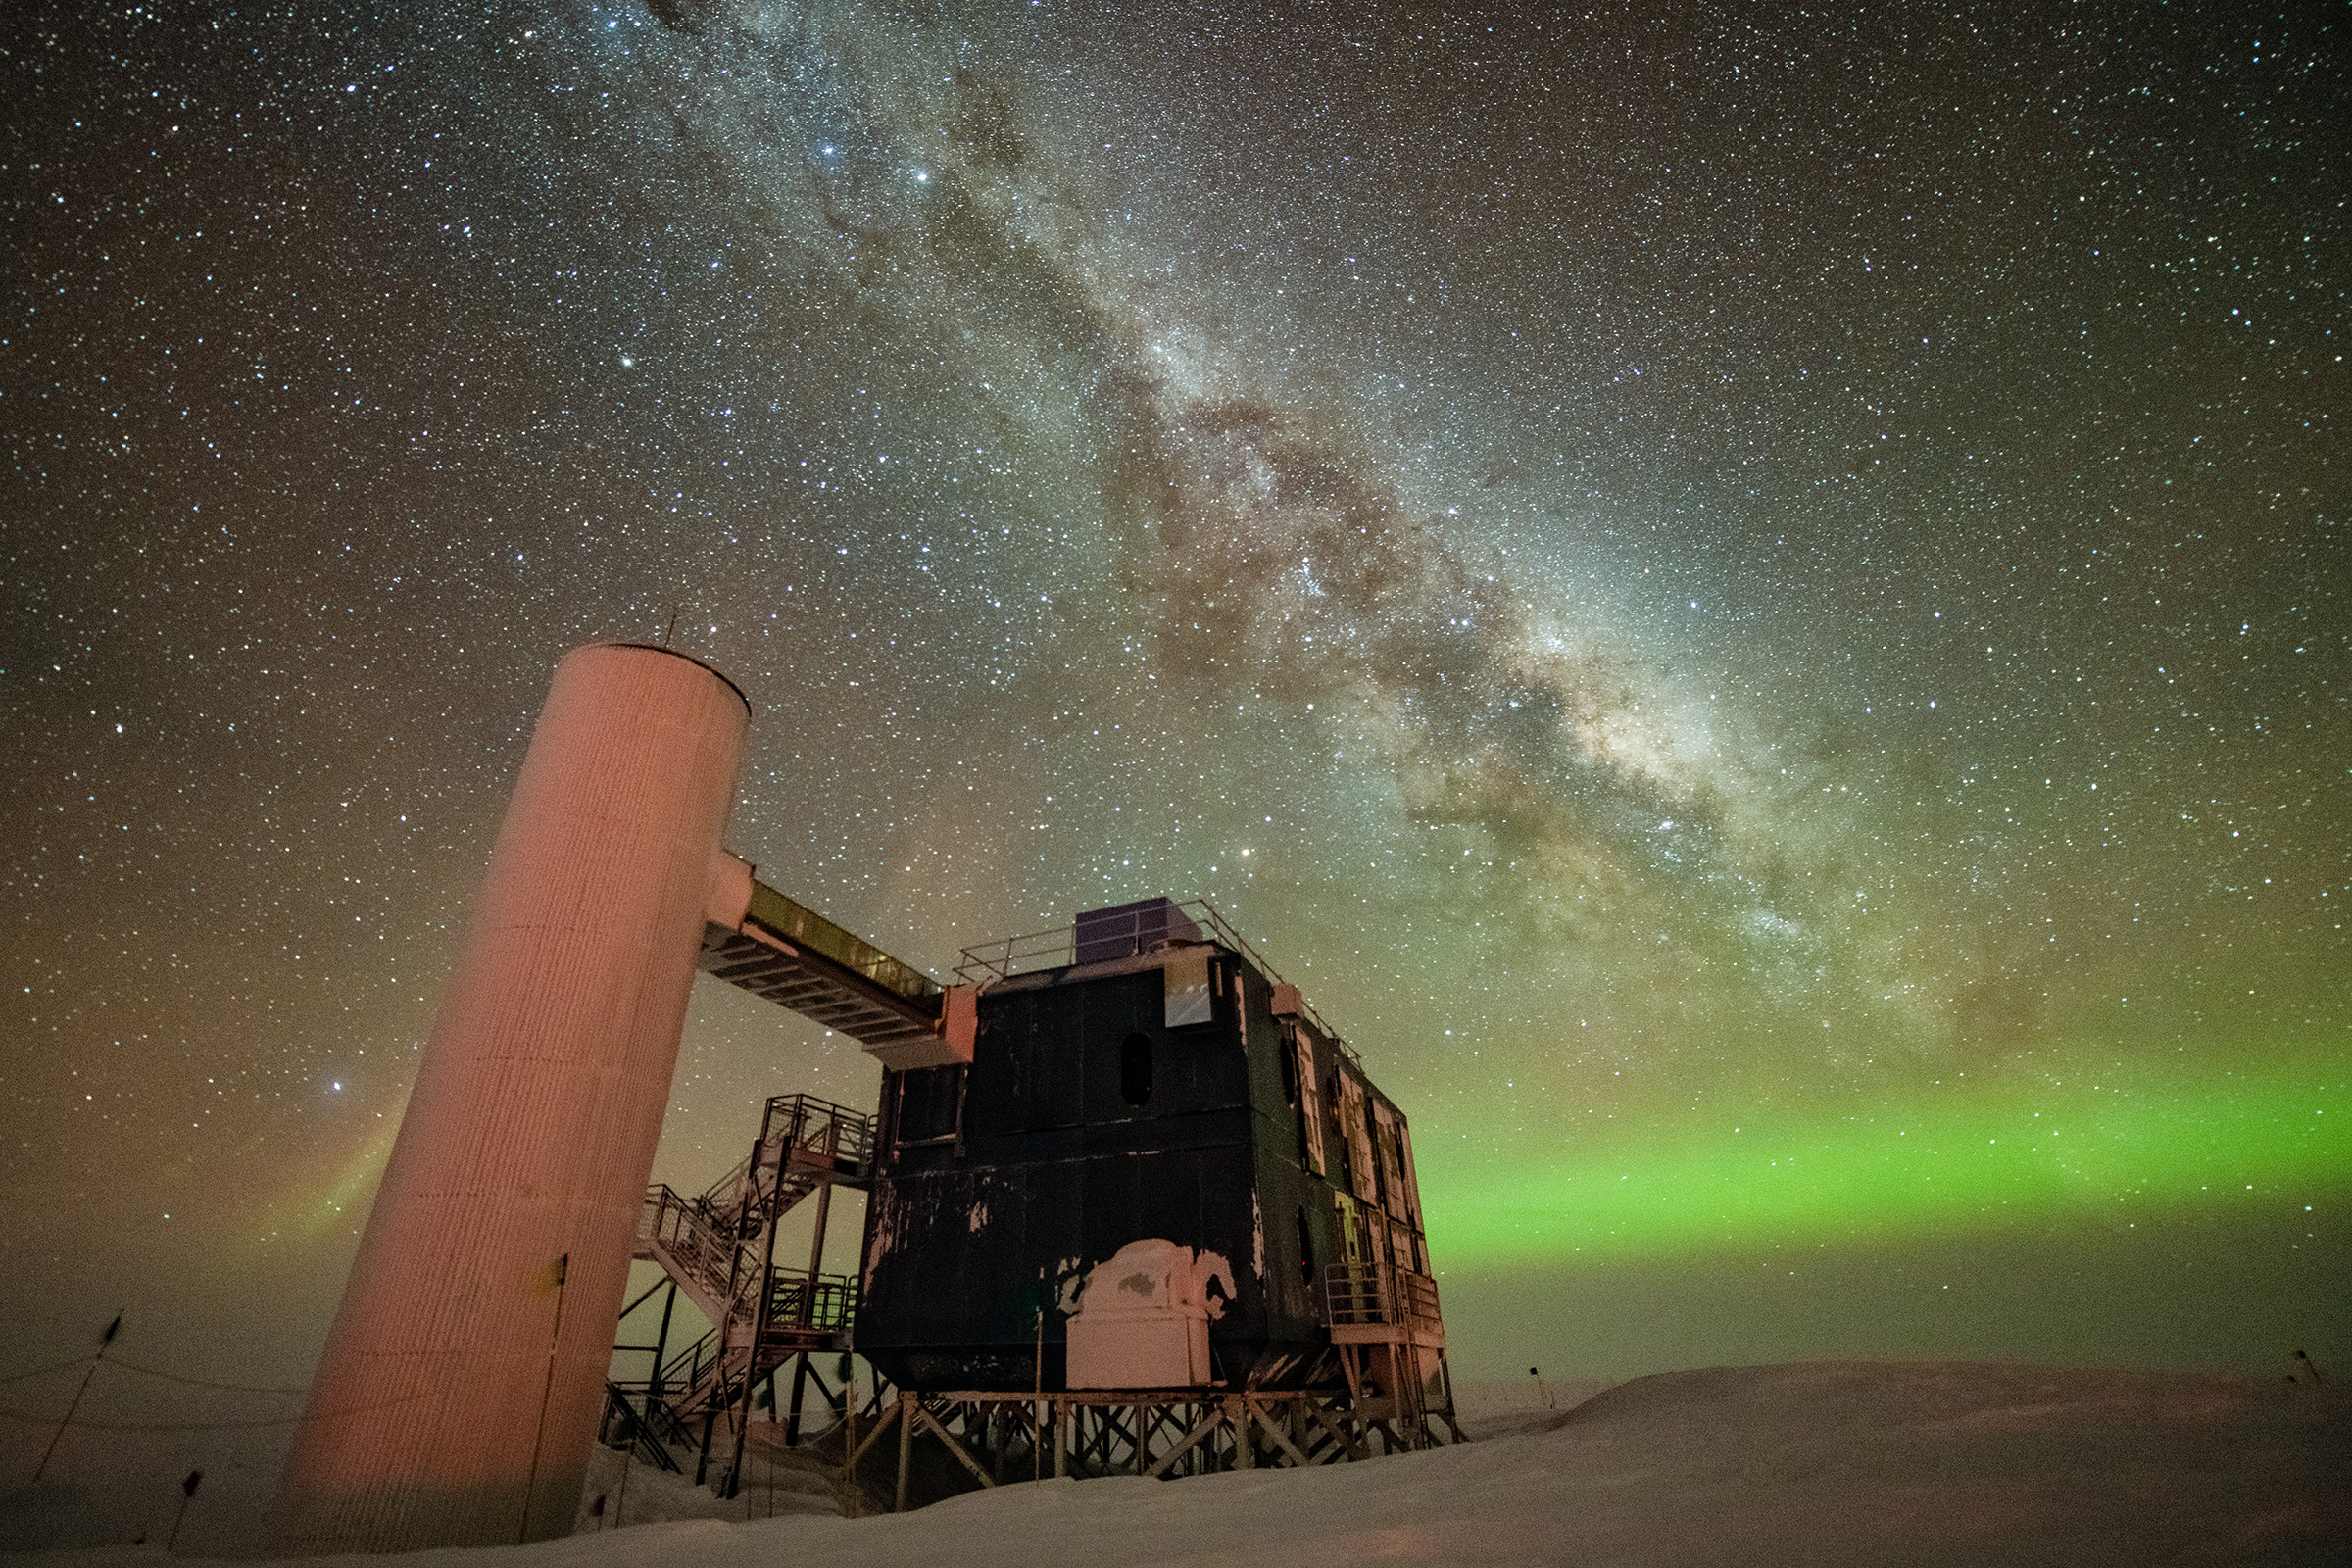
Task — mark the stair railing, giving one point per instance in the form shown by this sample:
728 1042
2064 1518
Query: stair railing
1363 1294
706 1248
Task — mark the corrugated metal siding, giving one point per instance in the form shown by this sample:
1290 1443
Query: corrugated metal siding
529 1133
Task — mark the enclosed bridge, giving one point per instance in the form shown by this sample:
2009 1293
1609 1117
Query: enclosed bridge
1133 1206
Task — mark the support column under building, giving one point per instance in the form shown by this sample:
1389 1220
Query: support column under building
461 1383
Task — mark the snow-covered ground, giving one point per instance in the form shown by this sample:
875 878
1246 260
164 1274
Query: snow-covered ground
1839 1463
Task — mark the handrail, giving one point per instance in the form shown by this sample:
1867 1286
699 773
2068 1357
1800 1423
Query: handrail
688 1230
641 1435
711 1232
796 1122
686 1366
717 1241
798 1304
727 1188
794 921
1058 947
1362 1295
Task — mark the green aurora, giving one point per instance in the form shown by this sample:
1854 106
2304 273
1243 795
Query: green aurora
1989 1152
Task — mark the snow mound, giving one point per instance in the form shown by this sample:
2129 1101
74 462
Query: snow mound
1820 1465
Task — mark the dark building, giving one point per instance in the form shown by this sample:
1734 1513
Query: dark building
1159 1170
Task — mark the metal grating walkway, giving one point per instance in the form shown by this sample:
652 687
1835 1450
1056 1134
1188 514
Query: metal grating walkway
789 954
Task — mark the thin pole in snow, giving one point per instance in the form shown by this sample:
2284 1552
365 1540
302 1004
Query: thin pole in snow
188 1494
620 1498
104 1340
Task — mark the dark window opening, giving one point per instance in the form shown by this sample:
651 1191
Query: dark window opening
1289 1069
1306 1250
1135 1069
930 1104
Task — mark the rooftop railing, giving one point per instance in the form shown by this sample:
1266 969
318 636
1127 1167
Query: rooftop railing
1152 928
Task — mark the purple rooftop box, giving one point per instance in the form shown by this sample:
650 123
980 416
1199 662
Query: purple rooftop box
1125 929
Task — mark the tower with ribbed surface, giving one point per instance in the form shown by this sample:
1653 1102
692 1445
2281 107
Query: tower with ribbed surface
463 1380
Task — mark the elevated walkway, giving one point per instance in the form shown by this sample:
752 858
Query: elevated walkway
785 952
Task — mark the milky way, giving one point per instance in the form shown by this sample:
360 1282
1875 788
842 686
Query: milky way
1754 604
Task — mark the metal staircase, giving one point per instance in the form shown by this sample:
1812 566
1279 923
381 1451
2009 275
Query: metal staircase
717 1248
1390 1336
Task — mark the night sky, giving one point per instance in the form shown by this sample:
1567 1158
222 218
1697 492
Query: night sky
1753 603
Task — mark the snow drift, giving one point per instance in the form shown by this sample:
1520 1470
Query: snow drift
1826 1464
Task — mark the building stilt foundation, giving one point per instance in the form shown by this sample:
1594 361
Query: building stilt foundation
996 1438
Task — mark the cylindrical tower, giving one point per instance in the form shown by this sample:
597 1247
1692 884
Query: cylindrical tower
465 1374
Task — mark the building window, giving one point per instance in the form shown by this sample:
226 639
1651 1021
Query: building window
1135 1069
930 1106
